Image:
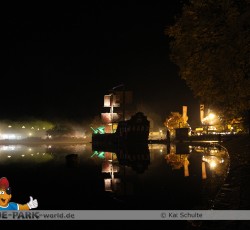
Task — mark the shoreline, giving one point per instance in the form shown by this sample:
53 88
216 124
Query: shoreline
234 194
42 142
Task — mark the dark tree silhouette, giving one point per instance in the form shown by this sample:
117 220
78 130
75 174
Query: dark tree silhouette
210 43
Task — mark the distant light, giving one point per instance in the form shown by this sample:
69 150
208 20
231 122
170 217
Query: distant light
23 127
9 126
8 136
7 148
212 164
211 116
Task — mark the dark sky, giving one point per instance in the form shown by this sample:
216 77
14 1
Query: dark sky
60 60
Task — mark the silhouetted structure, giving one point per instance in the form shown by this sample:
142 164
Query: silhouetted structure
135 156
181 134
135 130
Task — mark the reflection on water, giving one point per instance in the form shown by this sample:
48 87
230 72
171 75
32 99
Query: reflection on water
134 177
20 153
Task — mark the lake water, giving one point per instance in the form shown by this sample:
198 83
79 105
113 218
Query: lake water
151 177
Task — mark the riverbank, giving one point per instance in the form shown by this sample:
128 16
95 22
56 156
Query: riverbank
235 193
239 150
237 182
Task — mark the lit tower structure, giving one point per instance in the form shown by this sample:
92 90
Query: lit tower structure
116 101
201 113
110 101
184 115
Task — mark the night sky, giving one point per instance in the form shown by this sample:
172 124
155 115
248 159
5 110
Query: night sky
60 60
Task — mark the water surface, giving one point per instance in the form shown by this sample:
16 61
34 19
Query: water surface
77 177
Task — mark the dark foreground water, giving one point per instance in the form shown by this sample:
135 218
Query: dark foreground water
77 177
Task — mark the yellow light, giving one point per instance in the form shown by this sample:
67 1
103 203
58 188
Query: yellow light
203 170
211 116
212 164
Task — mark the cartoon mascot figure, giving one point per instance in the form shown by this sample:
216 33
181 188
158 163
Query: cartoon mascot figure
5 197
